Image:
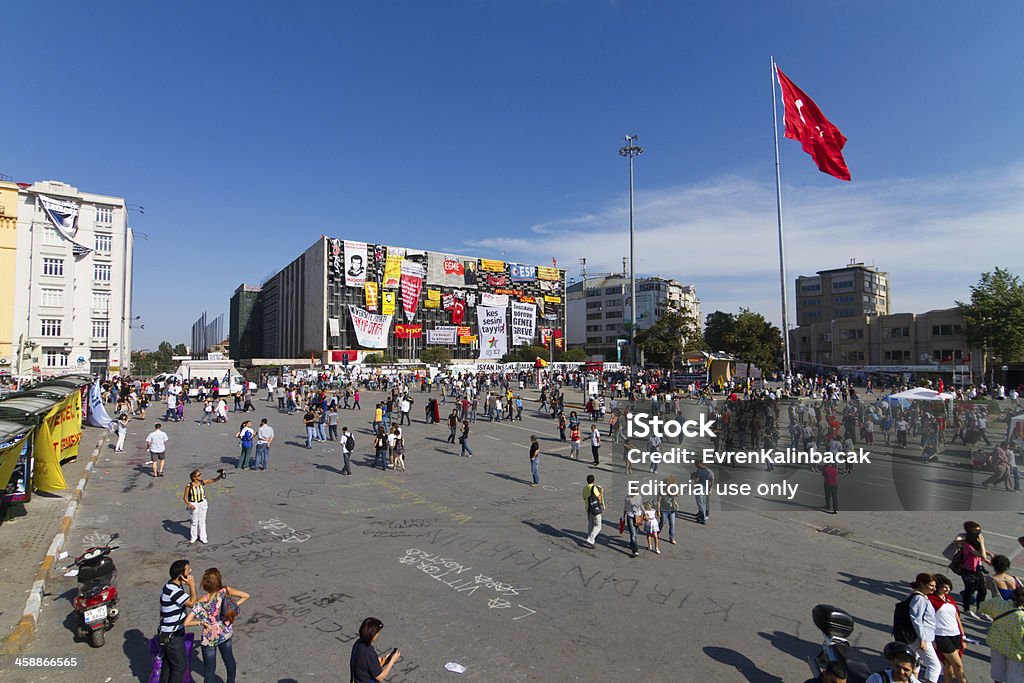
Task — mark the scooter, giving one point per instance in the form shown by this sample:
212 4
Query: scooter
837 626
97 593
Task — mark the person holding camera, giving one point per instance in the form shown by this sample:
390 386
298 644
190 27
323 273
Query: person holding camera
365 665
215 612
195 499
174 606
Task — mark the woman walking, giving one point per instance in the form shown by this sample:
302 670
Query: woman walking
209 612
245 441
949 631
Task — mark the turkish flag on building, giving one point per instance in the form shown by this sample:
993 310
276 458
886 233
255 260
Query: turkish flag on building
817 135
458 311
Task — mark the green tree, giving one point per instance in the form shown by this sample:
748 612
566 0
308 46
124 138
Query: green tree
994 318
436 355
180 350
379 359
573 355
717 328
665 340
755 340
526 354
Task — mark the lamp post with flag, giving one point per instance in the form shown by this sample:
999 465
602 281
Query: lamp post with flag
631 151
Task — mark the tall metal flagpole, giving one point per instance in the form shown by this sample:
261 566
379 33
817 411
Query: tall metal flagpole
782 253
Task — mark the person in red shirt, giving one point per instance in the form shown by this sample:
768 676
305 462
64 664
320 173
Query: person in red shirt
830 477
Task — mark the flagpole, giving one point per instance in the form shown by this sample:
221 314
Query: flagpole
782 254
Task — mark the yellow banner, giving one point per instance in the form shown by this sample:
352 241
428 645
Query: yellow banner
433 295
431 303
9 460
553 299
392 270
467 339
371 296
57 440
492 265
548 273
388 306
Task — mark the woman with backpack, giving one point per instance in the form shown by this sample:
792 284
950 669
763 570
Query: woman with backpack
922 620
245 441
211 612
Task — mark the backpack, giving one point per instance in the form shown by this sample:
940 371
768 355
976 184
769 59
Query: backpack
902 624
246 438
350 443
594 506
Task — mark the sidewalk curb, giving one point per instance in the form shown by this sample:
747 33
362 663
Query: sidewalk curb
25 630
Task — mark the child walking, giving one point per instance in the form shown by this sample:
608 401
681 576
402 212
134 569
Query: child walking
651 527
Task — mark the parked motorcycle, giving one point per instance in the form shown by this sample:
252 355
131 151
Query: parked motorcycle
837 626
96 601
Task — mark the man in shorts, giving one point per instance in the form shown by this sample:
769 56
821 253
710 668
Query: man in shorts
157 444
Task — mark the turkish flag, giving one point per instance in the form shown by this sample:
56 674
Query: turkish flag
458 311
817 135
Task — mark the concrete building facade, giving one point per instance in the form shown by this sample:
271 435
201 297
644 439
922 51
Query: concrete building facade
899 343
305 309
72 306
598 309
856 290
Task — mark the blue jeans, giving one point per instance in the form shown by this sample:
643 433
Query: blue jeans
381 456
668 521
310 436
535 469
262 453
634 546
321 432
702 507
465 447
210 662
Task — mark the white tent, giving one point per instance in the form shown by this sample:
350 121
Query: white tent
921 394
1016 428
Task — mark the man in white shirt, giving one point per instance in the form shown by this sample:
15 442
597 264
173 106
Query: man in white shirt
264 437
595 444
157 444
172 404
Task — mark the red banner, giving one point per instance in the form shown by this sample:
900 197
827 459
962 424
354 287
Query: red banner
453 267
412 285
339 356
408 331
818 136
459 313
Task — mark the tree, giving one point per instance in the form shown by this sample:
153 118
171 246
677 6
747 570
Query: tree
717 328
180 350
573 355
526 354
755 340
665 340
436 355
994 318
149 363
379 359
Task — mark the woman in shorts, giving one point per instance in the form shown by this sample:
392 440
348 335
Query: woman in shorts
949 631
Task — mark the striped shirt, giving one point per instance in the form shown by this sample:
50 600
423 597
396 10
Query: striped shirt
196 493
172 608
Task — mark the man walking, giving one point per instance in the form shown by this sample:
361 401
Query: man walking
405 406
464 440
535 460
453 423
157 444
595 444
593 498
309 419
264 437
175 604
830 479
705 478
348 444
633 510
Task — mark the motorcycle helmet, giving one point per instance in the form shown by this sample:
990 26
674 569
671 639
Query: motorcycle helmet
896 647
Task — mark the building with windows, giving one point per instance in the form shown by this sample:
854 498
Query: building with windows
856 290
72 305
8 267
598 309
343 299
207 336
899 343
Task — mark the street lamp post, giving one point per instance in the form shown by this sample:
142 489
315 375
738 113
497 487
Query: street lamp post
630 151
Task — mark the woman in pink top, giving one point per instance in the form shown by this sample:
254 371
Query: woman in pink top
973 547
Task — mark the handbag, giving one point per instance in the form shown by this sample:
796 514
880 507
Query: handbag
638 521
228 608
622 524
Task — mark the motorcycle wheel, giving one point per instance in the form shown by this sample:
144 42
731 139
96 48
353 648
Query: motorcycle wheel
97 637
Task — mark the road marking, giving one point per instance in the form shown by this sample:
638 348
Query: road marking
488 436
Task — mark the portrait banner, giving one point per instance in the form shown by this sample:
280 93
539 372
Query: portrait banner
388 303
355 264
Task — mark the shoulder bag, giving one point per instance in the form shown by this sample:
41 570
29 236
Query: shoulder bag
228 608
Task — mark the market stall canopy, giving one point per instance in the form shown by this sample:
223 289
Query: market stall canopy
73 381
12 431
21 408
1016 428
49 391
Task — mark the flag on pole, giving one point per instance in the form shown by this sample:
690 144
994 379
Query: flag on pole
818 136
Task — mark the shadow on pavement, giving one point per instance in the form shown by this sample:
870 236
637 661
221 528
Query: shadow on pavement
502 475
897 590
136 649
177 528
742 664
327 468
791 645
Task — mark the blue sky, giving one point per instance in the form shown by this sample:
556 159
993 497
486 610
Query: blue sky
492 127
